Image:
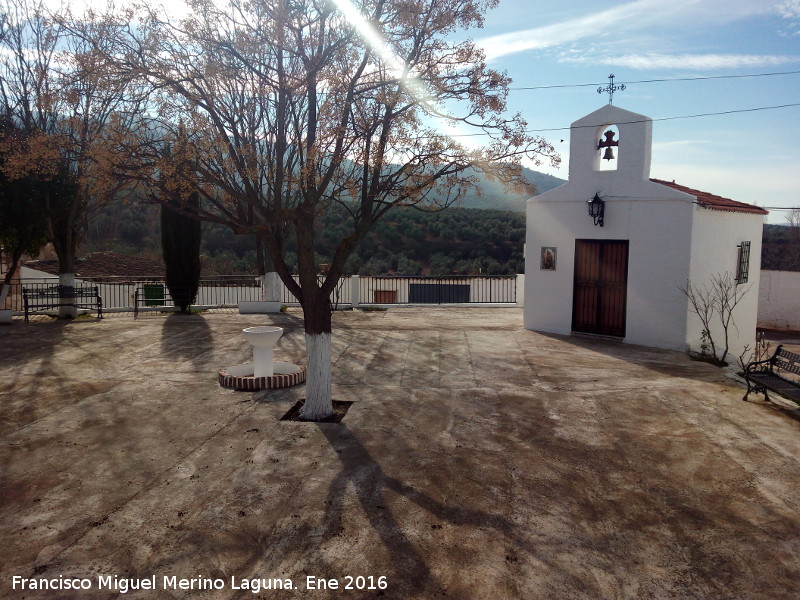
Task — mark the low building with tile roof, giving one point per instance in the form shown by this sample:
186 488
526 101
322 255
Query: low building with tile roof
99 266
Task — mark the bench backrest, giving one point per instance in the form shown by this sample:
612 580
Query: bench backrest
57 291
788 361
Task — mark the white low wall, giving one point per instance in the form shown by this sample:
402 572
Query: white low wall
779 300
397 290
351 291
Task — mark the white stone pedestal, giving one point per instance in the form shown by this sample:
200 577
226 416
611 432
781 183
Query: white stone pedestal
263 339
270 294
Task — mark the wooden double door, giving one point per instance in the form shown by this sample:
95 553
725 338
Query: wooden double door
600 288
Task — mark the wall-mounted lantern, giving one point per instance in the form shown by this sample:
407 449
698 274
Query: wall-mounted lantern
597 207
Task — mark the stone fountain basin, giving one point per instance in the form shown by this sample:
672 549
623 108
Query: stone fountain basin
263 372
262 336
240 377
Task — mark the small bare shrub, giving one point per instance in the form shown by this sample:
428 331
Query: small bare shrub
719 298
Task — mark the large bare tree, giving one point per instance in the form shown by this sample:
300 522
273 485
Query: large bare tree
54 89
293 107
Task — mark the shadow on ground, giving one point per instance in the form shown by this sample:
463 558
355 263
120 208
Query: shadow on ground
478 460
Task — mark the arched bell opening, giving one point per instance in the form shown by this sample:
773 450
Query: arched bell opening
608 148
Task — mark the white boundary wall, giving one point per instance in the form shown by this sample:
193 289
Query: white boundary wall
779 300
484 291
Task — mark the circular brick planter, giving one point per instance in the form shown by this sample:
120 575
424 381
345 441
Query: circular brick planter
241 377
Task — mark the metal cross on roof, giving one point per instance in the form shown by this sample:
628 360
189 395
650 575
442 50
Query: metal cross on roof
611 88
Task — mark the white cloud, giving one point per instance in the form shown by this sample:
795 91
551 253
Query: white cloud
567 31
686 61
790 10
636 15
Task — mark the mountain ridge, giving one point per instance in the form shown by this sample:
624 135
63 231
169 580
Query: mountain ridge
494 197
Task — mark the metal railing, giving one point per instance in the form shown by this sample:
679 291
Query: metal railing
467 289
119 293
341 294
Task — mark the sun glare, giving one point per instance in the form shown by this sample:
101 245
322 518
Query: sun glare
413 85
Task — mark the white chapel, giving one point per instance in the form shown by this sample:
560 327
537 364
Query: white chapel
608 252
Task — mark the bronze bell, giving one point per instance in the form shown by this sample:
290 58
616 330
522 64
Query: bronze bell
608 154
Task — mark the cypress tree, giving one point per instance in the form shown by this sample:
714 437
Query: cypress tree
23 218
180 244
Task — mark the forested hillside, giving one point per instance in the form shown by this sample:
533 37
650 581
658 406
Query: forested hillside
484 234
455 241
493 195
781 248
405 242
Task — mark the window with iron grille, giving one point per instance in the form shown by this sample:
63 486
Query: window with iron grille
743 264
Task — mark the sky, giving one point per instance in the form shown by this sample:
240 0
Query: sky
751 156
570 48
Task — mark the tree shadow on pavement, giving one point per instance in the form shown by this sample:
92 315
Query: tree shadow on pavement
411 574
186 337
414 574
32 369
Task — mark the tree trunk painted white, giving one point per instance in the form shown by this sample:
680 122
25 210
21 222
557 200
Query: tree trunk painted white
4 294
67 312
318 403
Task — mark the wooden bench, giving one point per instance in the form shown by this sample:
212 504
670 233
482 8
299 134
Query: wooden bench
768 374
56 296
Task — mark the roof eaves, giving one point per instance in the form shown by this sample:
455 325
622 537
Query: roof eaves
714 202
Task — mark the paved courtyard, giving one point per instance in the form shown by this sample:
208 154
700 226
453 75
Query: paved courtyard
478 461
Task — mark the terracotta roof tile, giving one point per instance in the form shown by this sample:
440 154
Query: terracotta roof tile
97 265
48 266
713 202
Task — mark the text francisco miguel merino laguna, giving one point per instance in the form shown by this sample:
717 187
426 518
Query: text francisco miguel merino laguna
172 582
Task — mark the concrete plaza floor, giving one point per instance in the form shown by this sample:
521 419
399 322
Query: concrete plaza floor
478 461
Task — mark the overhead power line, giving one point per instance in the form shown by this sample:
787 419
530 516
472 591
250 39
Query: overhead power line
709 114
666 80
